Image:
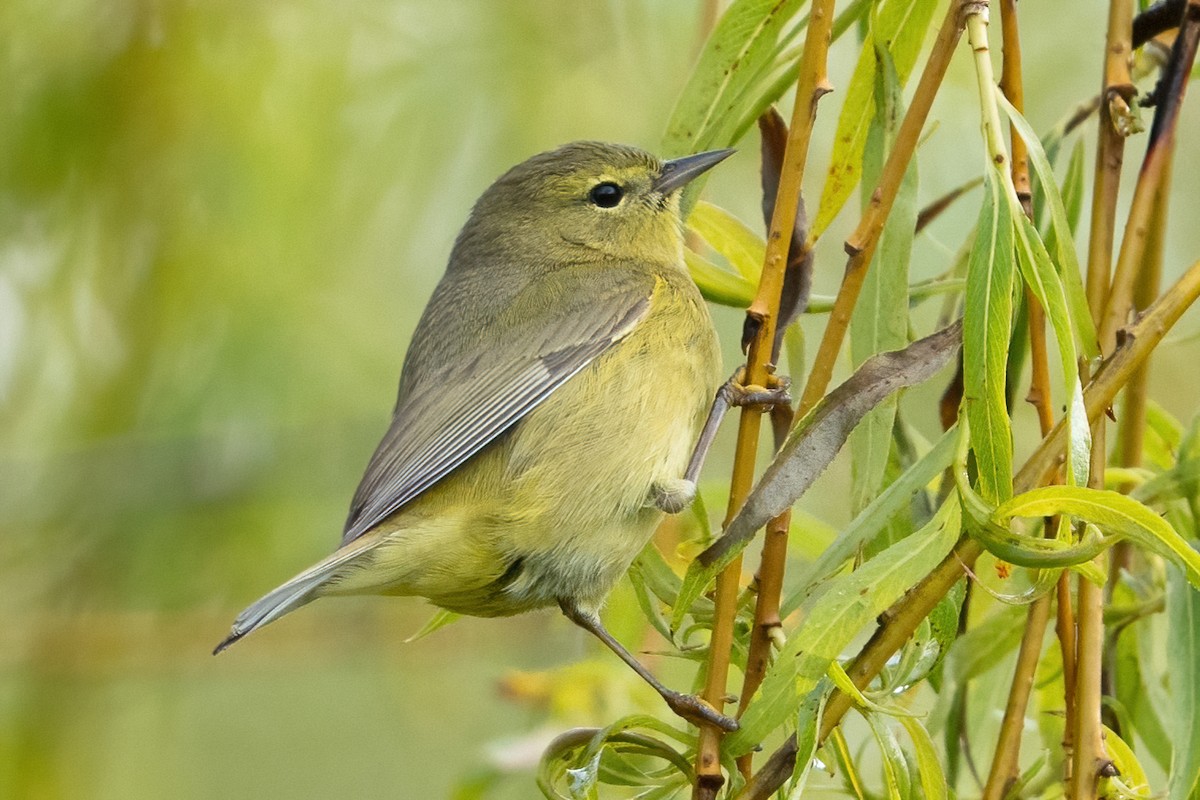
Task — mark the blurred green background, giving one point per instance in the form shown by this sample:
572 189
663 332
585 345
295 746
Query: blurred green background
219 221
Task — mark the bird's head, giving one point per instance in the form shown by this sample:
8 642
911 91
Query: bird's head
590 201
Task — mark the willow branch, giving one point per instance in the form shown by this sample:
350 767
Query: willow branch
1005 770
1087 757
811 86
775 540
899 622
860 246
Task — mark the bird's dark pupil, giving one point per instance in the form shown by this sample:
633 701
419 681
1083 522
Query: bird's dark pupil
606 195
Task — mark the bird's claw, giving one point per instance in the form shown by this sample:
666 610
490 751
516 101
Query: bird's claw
696 711
673 496
775 393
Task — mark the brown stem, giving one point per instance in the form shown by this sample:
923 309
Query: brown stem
1132 420
812 84
866 237
1086 744
1005 769
900 621
1154 172
861 244
1116 94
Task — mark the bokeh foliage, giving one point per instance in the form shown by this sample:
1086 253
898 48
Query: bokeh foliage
218 223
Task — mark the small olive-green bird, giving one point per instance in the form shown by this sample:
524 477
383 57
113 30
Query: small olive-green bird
548 405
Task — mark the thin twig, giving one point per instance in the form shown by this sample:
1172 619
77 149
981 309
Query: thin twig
1085 742
1005 771
899 622
814 82
860 245
811 85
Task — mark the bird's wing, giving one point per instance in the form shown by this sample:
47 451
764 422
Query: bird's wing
495 364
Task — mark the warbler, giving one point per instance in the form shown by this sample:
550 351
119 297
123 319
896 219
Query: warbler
548 404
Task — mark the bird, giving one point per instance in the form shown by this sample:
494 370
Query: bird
549 405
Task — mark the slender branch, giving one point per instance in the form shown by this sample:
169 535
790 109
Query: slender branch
860 246
1005 771
1158 18
899 622
1117 92
1087 754
773 561
1155 169
811 85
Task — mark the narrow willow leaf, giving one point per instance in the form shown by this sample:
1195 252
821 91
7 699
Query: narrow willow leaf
1140 693
902 24
440 619
987 323
814 442
1118 515
1041 277
1072 190
1183 666
808 727
742 42
943 627
872 521
732 238
1064 243
651 609
984 646
718 285
853 602
929 768
986 527
785 66
575 759
1132 782
880 319
895 768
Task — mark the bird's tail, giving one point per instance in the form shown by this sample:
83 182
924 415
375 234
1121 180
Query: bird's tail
293 594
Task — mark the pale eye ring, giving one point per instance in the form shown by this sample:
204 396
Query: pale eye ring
606 195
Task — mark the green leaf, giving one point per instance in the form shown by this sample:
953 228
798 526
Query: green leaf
984 646
852 602
440 619
1072 191
741 45
1183 667
895 768
1118 515
1035 552
1132 782
872 520
880 319
718 285
732 238
808 727
813 443
986 326
929 768
902 24
1064 244
1137 680
575 761
1043 280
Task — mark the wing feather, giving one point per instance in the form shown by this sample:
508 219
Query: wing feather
472 396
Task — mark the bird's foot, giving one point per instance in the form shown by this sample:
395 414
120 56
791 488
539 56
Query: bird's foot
698 712
738 393
674 495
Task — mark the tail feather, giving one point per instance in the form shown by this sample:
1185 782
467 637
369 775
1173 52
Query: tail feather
295 593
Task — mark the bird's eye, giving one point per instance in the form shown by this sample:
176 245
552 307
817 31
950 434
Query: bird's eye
606 195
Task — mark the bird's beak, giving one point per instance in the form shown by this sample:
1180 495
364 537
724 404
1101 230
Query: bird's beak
678 172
